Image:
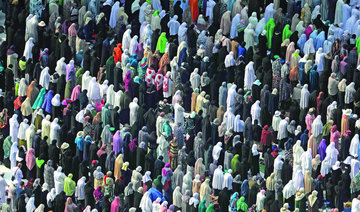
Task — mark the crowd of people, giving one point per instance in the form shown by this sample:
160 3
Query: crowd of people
180 105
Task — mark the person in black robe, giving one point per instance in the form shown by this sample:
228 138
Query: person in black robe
224 198
254 190
119 187
140 154
21 204
59 202
158 165
149 161
269 163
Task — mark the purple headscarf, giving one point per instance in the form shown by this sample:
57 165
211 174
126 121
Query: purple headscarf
139 51
322 149
70 71
127 80
11 50
117 142
98 194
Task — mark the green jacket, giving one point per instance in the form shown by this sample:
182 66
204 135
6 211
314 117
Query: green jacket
69 185
241 205
269 27
78 75
161 43
39 99
286 32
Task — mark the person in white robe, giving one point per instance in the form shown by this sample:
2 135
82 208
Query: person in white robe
298 178
45 128
304 98
179 115
133 44
45 78
126 39
28 48
173 25
283 132
260 200
14 128
332 153
59 178
234 26
349 93
309 47
229 118
230 98
289 190
195 79
355 167
17 174
317 126
218 179
238 124
30 133
55 130
22 129
227 183
146 203
94 91
22 87
249 36
3 186
134 107
182 36
61 67
354 145
306 159
13 152
80 189
255 112
85 81
250 77
216 151
325 166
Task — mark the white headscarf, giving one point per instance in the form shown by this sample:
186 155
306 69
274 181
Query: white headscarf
304 99
317 126
249 75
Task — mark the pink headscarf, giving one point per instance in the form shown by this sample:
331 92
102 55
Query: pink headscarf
101 151
308 31
166 169
132 145
115 205
30 159
70 206
72 30
75 93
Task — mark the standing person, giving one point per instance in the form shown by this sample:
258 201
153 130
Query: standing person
3 186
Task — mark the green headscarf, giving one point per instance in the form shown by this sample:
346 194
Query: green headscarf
161 44
234 163
39 162
69 185
210 208
269 27
39 99
156 13
286 32
78 75
241 205
7 146
202 206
